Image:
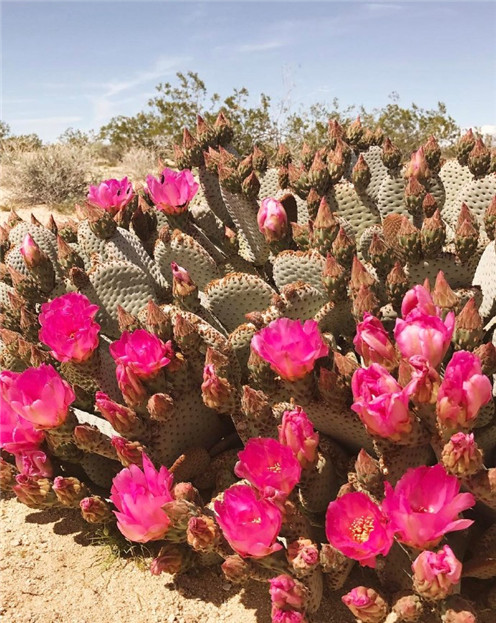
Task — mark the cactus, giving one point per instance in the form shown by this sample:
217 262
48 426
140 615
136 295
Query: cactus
309 341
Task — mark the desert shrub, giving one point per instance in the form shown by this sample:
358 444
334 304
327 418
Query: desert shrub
138 162
54 174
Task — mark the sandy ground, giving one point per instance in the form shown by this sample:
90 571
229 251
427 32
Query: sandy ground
51 571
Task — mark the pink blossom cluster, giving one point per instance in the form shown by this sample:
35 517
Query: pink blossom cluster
32 401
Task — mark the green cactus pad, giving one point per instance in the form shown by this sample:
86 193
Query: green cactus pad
477 194
43 238
292 266
211 190
235 295
301 301
99 469
358 209
373 158
453 176
336 318
484 277
269 184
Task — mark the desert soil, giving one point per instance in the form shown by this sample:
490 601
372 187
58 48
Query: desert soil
52 571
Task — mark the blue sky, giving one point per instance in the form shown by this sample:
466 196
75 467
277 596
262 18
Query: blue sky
80 63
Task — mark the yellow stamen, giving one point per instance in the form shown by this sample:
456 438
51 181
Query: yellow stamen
361 528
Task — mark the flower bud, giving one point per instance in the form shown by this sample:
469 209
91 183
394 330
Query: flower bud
415 194
217 392
354 131
343 248
468 327
433 235
490 219
95 509
408 608
7 475
128 452
70 491
487 355
360 175
171 559
379 253
461 455
418 166
303 556
436 573
161 407
272 220
479 159
334 278
285 592
123 419
429 205
432 153
283 157
366 604
466 241
443 296
34 492
236 569
391 155
409 240
32 254
202 533
318 175
397 285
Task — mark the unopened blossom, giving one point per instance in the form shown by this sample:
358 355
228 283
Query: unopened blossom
463 391
269 466
69 328
297 432
217 392
172 191
303 554
286 591
139 496
290 347
32 461
424 506
31 252
436 573
366 604
287 616
424 334
131 387
422 379
418 166
373 344
141 352
122 418
420 299
358 528
272 219
40 396
182 284
111 195
461 455
381 403
249 524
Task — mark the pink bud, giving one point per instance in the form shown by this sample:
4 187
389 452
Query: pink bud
249 524
303 555
424 334
132 388
435 573
418 166
366 604
461 455
418 298
424 506
123 419
421 379
40 396
269 466
297 432
111 195
31 252
139 496
381 403
33 462
272 219
217 392
286 591
287 616
141 352
172 191
463 392
290 347
68 327
95 509
373 344
358 528
182 284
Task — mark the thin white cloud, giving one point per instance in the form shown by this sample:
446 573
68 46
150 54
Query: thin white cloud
263 46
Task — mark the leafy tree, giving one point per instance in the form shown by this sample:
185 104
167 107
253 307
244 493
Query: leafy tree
4 130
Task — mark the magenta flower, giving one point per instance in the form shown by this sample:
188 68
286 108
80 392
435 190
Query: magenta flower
272 219
111 195
420 299
68 327
381 402
287 616
269 466
436 573
33 462
373 344
463 392
141 352
286 591
297 432
424 380
249 524
290 347
423 334
16 433
424 506
358 528
172 191
40 396
139 496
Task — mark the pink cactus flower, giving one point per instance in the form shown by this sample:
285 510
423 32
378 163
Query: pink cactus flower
139 496
423 334
421 378
122 418
33 462
297 432
111 195
290 347
30 251
269 466
249 524
463 392
16 433
424 506
366 604
436 573
41 396
381 403
172 191
272 219
141 352
373 344
358 528
286 591
420 299
287 616
68 327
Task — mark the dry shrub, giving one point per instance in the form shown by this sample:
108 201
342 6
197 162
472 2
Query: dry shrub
55 174
139 162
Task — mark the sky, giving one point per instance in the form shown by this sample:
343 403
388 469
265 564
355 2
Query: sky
77 64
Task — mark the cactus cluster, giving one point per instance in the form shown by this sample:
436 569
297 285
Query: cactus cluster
284 370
